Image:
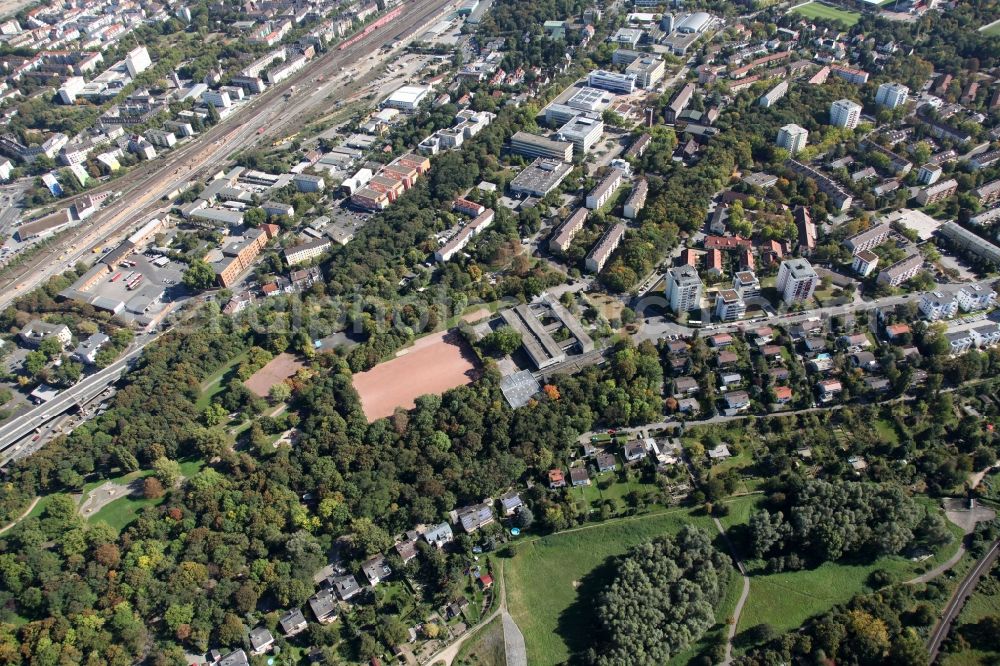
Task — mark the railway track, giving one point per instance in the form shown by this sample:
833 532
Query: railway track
272 110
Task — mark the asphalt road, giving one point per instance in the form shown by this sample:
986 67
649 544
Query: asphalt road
655 328
22 426
144 187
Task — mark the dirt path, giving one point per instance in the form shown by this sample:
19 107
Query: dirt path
731 634
31 507
448 654
106 493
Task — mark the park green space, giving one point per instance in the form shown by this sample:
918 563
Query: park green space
551 579
817 10
213 384
786 600
122 511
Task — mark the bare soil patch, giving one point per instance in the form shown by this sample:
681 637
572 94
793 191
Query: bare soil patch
433 364
280 368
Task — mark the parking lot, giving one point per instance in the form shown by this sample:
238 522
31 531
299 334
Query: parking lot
141 289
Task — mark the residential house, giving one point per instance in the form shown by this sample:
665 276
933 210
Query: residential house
829 389
720 452
960 341
606 462
688 406
237 658
37 330
896 332
293 622
345 586
579 477
737 401
475 516
324 606
376 569
634 451
261 640
439 535
685 385
778 374
864 360
726 358
782 395
407 548
557 479
877 384
854 340
510 503
731 379
815 344
86 351
720 340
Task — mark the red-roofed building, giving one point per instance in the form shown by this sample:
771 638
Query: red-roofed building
689 257
894 331
557 479
713 262
726 242
746 259
720 340
486 581
782 394
771 252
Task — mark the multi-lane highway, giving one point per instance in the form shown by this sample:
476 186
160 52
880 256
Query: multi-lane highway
87 389
145 186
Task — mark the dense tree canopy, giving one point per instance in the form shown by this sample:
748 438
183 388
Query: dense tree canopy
661 600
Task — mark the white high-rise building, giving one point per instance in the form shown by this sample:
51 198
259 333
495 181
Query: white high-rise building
683 289
729 306
845 114
796 280
137 61
891 95
793 138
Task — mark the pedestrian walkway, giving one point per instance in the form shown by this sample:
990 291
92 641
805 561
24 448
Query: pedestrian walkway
517 653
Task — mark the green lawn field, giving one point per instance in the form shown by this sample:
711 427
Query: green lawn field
816 10
486 648
552 581
121 512
993 30
213 384
785 600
